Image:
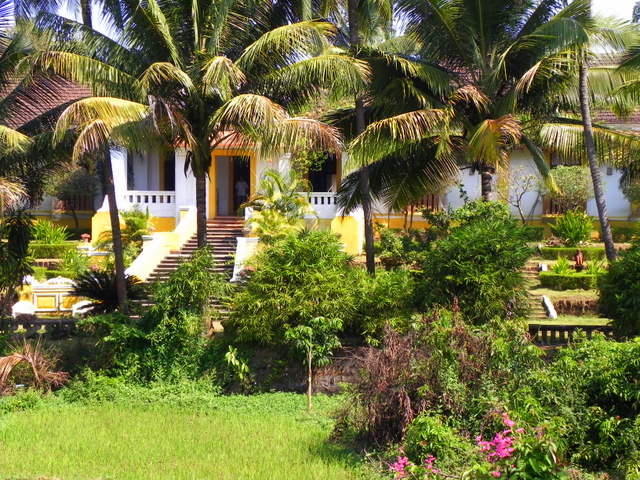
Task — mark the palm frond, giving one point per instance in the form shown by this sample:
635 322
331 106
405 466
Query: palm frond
222 76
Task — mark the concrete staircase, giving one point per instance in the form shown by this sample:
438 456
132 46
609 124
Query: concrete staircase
530 274
221 238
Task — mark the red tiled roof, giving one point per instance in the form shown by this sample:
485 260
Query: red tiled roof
40 98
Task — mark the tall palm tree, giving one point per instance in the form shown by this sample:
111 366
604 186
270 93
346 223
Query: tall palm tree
507 70
196 75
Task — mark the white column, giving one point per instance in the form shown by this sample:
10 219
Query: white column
119 168
185 184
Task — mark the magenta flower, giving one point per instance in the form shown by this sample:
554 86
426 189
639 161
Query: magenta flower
399 466
496 474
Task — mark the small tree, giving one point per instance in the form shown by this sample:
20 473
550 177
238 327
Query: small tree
574 187
70 183
520 184
316 341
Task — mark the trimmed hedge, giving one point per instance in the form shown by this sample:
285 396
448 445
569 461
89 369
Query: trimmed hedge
571 281
534 233
590 253
42 273
50 250
623 234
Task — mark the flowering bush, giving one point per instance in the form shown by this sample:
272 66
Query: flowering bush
512 453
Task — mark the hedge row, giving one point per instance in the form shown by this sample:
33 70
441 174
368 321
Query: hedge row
571 281
590 253
42 273
50 250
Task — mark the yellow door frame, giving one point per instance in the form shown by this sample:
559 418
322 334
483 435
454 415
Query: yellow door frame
213 179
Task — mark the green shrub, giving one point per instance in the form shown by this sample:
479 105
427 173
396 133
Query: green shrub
398 248
40 273
534 233
592 388
561 267
590 253
75 262
47 232
568 281
100 287
60 273
429 435
190 287
295 279
623 234
51 250
573 228
479 263
620 292
386 298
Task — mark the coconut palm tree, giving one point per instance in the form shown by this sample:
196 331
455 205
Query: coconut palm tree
196 75
507 68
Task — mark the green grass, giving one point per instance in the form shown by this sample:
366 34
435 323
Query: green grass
261 437
573 320
564 294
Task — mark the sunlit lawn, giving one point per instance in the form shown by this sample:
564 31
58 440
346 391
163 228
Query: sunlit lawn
274 440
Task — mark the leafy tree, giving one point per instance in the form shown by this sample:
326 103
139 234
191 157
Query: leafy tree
316 341
279 207
573 187
15 264
620 292
69 183
300 277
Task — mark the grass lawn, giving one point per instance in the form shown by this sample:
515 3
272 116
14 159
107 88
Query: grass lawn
573 320
564 294
261 437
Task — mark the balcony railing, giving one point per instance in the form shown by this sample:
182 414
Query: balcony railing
324 203
158 203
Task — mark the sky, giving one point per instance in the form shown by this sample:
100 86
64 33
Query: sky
614 8
609 8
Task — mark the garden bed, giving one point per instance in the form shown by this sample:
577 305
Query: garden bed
590 253
571 281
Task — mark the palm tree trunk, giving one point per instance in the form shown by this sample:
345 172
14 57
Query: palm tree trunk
121 284
85 9
596 177
201 207
485 183
365 188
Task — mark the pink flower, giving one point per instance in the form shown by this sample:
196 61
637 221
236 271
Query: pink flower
496 474
507 421
429 464
399 466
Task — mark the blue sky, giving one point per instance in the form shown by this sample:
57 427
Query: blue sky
615 8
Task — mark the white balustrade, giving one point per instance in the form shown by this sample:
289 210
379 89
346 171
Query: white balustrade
158 203
324 203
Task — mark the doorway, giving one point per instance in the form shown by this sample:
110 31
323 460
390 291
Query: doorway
233 183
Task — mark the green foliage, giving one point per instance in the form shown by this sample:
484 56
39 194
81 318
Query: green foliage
574 187
137 224
100 287
479 263
573 228
297 278
590 253
429 435
48 250
569 280
623 234
75 263
45 231
400 248
386 298
190 287
534 233
278 208
592 388
620 292
15 264
561 267
316 340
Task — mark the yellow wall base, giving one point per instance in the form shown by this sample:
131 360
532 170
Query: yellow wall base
101 222
351 232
